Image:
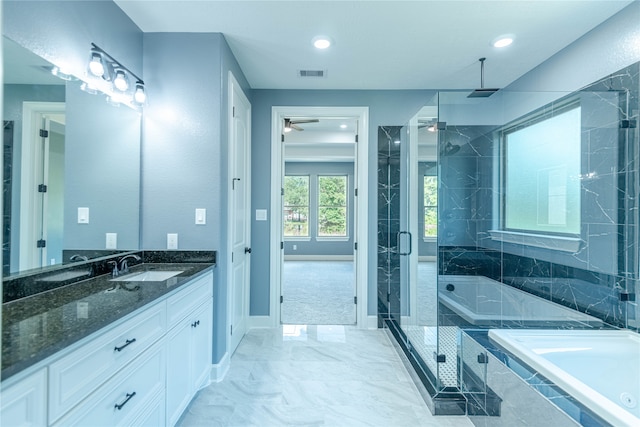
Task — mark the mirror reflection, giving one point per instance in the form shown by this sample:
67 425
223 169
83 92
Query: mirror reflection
71 168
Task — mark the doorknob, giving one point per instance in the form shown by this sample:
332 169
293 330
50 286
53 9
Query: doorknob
247 250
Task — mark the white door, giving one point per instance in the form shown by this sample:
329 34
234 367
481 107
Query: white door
239 213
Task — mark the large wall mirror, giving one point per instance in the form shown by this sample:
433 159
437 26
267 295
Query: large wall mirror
71 168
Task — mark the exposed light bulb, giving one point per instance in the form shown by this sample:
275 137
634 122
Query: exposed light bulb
140 96
120 82
96 67
287 130
503 41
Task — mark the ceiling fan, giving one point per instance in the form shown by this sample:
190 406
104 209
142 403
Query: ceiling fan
293 124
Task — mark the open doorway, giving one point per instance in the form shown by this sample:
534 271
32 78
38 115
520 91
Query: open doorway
319 176
318 275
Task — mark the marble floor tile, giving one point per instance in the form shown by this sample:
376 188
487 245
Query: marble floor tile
336 376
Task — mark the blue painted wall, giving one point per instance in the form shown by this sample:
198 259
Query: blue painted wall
385 107
184 150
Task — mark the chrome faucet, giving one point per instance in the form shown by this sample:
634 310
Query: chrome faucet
121 266
123 262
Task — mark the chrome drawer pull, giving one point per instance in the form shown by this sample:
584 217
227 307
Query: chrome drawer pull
129 396
123 346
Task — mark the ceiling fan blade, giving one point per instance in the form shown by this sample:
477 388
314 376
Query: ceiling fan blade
305 121
293 126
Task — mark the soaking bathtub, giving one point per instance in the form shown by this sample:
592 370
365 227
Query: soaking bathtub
599 368
481 301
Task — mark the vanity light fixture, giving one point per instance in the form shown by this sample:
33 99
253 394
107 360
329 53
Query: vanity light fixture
96 66
139 95
58 72
120 81
107 75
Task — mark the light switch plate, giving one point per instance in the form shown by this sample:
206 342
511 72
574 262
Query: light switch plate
261 214
112 241
83 215
172 240
201 216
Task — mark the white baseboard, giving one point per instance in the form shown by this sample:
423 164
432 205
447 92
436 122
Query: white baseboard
372 322
220 369
260 322
318 257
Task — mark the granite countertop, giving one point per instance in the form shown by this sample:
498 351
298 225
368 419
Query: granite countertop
40 325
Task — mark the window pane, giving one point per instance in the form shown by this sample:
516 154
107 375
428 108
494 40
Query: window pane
296 221
332 222
332 208
333 190
296 206
430 206
542 165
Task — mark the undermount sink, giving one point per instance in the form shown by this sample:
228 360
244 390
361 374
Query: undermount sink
147 276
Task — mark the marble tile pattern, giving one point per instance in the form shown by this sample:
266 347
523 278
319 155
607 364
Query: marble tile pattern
601 279
299 375
38 326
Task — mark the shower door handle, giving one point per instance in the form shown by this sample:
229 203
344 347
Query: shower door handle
400 233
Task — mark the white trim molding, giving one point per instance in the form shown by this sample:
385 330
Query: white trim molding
318 257
557 243
361 184
220 369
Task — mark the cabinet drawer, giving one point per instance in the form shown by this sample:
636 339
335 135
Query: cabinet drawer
75 376
127 397
184 302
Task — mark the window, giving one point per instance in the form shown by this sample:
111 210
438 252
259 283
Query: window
430 206
541 174
332 206
296 206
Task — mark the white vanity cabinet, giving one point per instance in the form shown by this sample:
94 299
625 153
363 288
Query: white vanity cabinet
188 345
140 371
25 403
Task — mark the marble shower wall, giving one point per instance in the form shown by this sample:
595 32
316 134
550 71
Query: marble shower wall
388 223
601 278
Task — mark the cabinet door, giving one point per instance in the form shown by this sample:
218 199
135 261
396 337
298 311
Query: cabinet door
25 403
201 347
188 360
178 343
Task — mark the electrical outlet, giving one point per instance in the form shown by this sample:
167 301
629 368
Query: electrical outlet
295 247
112 241
172 241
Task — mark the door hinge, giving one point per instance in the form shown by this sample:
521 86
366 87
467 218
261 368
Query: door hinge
282 138
281 299
231 329
356 138
355 300
282 191
388 297
233 112
41 243
356 192
440 358
231 256
44 133
281 245
355 246
42 188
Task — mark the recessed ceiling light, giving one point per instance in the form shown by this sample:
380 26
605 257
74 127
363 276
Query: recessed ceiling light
343 126
321 42
503 41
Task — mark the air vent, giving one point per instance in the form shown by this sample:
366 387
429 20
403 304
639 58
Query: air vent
311 73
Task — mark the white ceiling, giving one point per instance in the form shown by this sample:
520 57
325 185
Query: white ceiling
428 44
